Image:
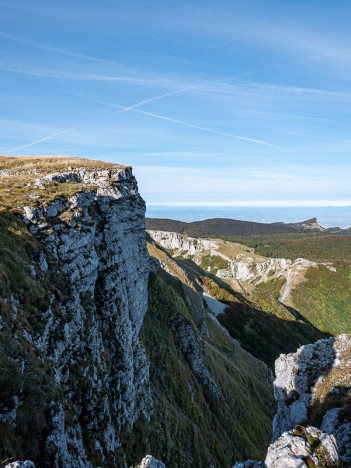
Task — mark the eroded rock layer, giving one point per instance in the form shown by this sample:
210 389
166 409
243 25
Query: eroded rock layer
92 257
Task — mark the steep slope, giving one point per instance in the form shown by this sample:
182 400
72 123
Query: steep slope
312 426
203 413
76 387
73 298
252 285
317 290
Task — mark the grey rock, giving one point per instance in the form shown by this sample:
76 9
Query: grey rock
293 449
298 378
42 263
191 346
296 375
20 464
92 336
151 462
334 423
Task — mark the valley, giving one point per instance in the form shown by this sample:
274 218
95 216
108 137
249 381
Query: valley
125 346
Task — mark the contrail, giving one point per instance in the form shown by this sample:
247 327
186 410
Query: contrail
232 77
49 48
39 141
187 124
292 116
196 86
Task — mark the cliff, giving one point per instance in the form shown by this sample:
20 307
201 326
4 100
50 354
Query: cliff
77 388
108 355
312 386
312 425
71 311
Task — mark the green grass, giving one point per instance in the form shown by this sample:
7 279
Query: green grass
32 383
188 427
265 334
17 189
313 246
324 298
213 263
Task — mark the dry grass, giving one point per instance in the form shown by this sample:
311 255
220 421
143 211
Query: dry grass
47 164
18 189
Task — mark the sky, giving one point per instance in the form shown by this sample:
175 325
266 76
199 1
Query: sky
213 103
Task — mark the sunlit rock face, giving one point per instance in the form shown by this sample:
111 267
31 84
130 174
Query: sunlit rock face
303 447
95 242
176 241
312 386
312 425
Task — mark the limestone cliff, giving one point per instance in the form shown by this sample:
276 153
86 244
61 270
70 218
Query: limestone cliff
312 425
312 386
81 350
76 387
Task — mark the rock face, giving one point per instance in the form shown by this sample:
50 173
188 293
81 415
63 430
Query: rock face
151 462
313 386
95 241
176 241
303 447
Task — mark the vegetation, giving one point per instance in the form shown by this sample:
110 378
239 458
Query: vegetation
18 176
315 247
45 164
216 289
188 427
213 263
266 328
324 298
222 227
22 373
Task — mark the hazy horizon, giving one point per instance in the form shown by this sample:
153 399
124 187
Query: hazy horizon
327 216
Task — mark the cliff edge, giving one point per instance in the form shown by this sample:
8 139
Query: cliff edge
73 298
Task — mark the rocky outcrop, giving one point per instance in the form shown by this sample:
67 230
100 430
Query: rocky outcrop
313 386
20 464
151 462
176 241
94 241
312 425
249 464
193 349
303 447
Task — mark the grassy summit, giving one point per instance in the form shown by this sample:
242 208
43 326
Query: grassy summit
19 179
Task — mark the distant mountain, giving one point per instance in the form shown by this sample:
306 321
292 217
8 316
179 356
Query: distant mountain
219 227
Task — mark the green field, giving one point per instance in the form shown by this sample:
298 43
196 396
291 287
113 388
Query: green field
316 247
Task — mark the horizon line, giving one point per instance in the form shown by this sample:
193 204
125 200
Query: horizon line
329 204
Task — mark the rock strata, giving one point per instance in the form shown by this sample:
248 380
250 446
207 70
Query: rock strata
95 243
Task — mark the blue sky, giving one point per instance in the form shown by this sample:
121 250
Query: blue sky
234 103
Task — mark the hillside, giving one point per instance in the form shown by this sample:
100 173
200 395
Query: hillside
100 365
115 345
221 227
307 297
254 316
